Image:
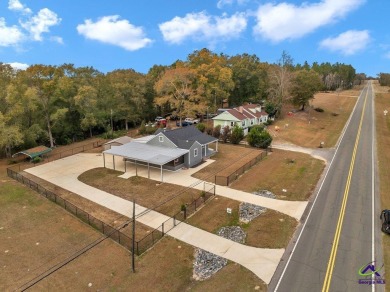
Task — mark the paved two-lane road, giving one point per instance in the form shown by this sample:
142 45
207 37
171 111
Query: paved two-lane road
338 237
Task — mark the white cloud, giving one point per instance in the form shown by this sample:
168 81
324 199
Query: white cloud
200 26
57 39
9 35
387 55
222 3
19 66
278 22
347 43
41 23
16 5
112 30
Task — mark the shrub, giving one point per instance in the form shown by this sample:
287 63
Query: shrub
225 136
268 122
36 159
201 127
258 137
209 131
217 131
142 128
237 135
318 109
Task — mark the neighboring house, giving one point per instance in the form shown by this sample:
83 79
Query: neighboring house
117 142
167 149
245 116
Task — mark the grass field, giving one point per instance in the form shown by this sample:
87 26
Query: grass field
382 101
227 160
147 193
323 127
297 173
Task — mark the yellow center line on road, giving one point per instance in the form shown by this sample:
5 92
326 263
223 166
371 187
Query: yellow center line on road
332 258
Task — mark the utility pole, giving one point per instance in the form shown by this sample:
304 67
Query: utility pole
133 245
112 126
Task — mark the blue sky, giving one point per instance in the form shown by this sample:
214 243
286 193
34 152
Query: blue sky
121 34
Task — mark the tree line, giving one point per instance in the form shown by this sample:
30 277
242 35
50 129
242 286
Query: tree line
384 79
55 105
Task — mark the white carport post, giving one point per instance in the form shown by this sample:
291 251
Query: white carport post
124 159
205 149
216 147
161 173
148 171
113 161
136 170
104 160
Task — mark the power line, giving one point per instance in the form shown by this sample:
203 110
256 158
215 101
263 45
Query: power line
58 266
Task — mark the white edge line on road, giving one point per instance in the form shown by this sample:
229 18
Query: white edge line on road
373 183
319 190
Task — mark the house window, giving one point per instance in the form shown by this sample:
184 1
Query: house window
161 138
252 121
195 152
231 124
243 123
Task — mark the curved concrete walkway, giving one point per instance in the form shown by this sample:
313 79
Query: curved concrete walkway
64 173
325 154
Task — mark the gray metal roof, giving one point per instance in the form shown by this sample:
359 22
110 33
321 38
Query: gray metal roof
190 133
147 153
120 140
144 139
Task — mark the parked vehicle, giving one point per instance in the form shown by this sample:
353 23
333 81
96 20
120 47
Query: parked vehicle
191 121
161 122
183 124
385 218
157 119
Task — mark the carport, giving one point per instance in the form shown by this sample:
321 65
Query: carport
34 152
140 153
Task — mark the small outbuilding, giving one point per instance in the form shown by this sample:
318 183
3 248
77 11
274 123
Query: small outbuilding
117 142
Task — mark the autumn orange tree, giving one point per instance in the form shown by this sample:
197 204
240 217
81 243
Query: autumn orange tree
178 87
213 76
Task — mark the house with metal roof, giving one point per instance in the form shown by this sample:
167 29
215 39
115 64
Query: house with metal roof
245 116
167 149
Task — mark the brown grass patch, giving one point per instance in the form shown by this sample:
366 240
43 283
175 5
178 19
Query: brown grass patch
164 198
296 172
323 127
270 230
382 101
227 160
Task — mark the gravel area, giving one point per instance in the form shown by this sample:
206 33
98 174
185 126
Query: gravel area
207 264
248 212
234 233
265 193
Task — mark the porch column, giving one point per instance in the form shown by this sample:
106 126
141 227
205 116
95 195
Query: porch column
148 171
161 173
113 161
104 160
